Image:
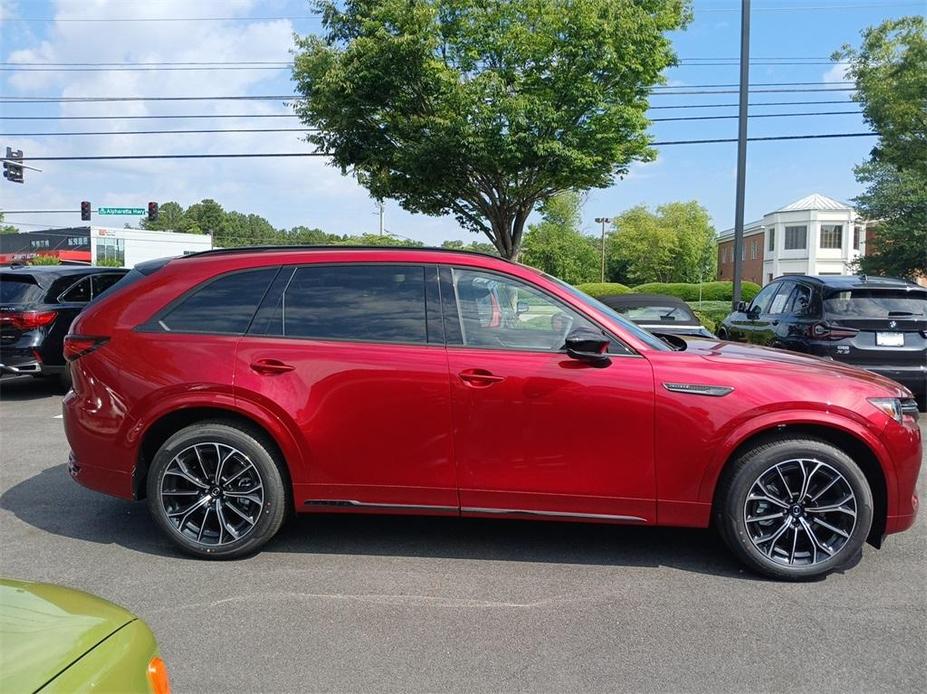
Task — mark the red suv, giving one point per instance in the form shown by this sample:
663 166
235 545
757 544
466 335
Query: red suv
232 387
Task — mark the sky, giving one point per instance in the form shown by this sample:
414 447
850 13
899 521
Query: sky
307 191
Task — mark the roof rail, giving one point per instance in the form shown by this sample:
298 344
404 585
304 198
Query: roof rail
310 247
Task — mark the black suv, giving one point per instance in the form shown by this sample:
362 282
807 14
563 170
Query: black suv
876 323
37 305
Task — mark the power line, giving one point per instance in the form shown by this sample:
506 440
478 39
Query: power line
173 116
110 99
304 130
257 155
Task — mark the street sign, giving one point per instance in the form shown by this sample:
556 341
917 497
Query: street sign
121 210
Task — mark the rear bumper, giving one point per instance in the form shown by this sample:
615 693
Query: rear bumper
96 461
22 361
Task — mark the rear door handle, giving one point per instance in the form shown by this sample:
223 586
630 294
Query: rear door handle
479 378
267 367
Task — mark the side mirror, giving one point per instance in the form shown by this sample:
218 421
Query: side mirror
588 346
521 307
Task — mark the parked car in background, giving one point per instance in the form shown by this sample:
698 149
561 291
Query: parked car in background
234 386
658 313
875 323
55 639
37 305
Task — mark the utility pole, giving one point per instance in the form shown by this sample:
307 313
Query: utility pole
603 221
741 147
381 217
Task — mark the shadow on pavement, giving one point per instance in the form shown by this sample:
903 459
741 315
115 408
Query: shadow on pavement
19 388
52 502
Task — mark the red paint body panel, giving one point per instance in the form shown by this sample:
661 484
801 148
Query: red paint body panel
394 424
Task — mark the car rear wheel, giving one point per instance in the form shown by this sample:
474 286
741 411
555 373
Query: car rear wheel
795 508
216 490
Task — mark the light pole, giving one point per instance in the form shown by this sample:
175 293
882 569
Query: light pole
741 148
603 221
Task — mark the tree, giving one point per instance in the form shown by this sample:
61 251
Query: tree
890 69
556 245
484 110
170 218
674 244
898 200
476 246
205 217
7 228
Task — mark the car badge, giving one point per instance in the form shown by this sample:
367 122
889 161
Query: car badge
893 324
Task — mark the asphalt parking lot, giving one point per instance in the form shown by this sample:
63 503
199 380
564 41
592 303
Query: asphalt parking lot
341 603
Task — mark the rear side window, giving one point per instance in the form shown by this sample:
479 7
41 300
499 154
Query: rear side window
224 305
100 283
19 289
78 293
371 303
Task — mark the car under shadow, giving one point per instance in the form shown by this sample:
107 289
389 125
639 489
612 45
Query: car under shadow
49 501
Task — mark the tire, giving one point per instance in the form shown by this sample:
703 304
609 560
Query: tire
64 379
722 334
797 540
232 519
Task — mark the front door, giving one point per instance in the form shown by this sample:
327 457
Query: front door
536 432
353 356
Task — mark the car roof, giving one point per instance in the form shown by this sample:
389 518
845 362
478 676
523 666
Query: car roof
335 249
853 281
644 300
45 275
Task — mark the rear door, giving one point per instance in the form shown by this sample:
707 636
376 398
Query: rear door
353 355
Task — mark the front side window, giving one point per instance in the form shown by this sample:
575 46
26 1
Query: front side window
363 303
796 238
221 306
764 298
778 304
502 312
831 235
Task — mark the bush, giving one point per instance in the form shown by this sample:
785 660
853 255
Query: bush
714 311
711 291
44 260
705 320
600 289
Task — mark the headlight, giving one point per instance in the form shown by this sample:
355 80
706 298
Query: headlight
897 408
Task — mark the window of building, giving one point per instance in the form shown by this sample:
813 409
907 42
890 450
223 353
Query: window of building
363 303
772 239
753 245
224 305
111 251
831 236
857 236
796 238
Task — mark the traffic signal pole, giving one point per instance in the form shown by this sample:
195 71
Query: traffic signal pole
741 148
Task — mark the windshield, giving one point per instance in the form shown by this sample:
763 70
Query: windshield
19 289
876 303
649 339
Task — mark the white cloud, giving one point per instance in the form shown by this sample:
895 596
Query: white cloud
837 73
288 191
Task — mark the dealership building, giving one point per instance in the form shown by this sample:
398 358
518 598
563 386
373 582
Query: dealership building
816 235
94 245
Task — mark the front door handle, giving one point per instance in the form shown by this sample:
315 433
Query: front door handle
479 378
268 367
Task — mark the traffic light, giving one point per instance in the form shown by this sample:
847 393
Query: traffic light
11 171
152 212
85 211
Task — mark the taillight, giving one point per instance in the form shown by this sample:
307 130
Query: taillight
823 331
157 676
28 320
76 346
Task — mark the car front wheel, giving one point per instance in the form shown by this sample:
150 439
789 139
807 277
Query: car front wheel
795 508
216 490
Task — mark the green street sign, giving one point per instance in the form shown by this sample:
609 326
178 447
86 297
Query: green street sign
121 210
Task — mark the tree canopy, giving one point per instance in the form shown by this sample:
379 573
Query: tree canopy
7 228
484 110
557 246
674 244
890 69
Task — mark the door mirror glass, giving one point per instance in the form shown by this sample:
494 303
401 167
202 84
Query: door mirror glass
590 346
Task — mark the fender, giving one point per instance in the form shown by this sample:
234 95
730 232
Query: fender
279 429
854 425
